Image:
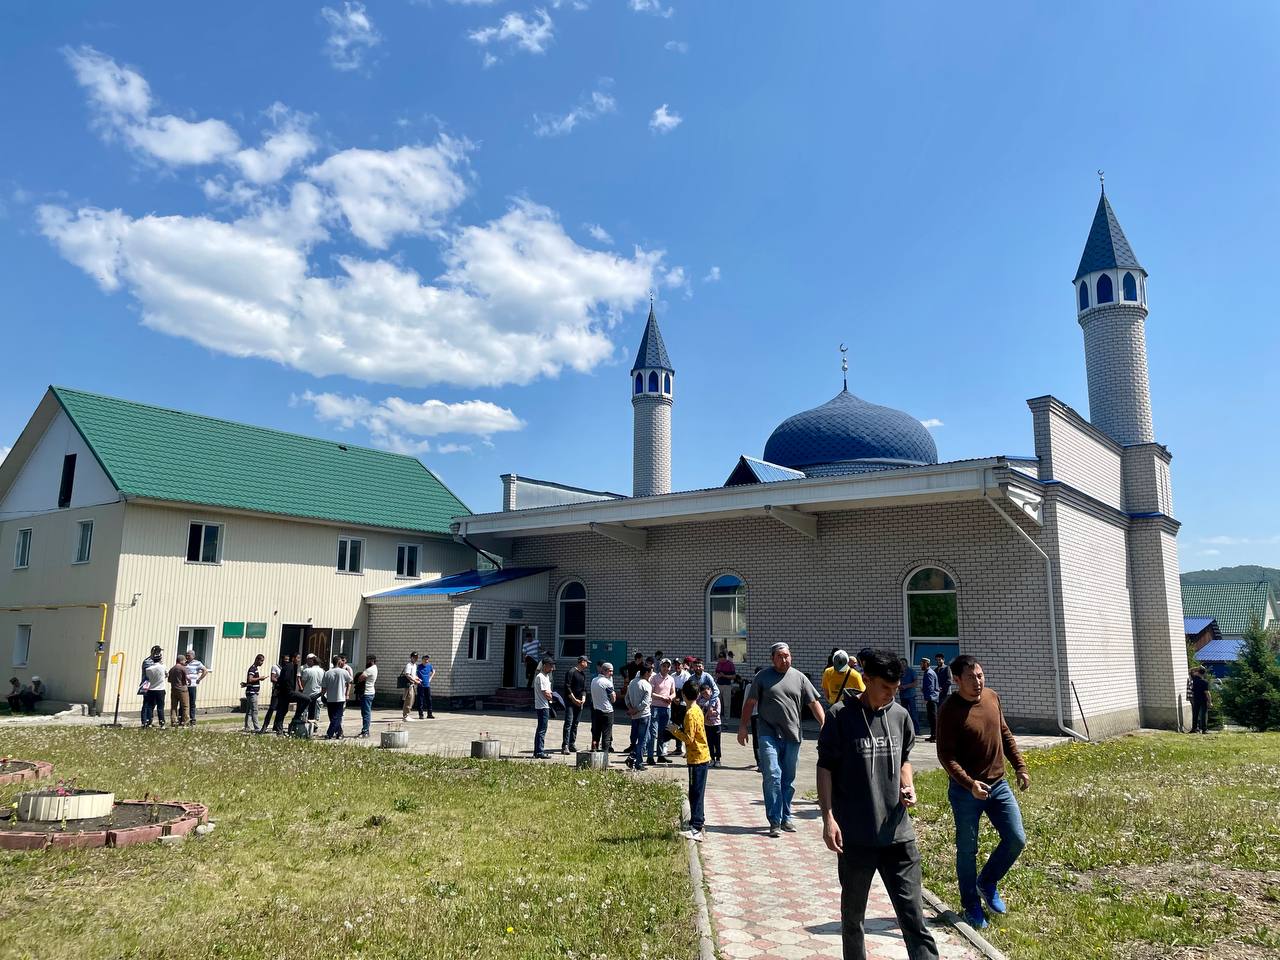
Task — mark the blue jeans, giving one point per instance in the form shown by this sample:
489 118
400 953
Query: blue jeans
641 727
335 719
778 769
909 704
659 717
1002 810
697 791
540 735
366 715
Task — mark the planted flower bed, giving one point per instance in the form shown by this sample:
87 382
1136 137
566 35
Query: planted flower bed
18 771
121 825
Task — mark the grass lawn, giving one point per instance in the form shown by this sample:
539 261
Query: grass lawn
1165 845
329 852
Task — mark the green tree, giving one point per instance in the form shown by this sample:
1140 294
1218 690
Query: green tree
1251 693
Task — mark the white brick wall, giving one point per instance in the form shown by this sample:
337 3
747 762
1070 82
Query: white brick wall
1115 349
651 445
1069 451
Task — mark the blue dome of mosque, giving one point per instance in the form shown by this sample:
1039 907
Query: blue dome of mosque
849 435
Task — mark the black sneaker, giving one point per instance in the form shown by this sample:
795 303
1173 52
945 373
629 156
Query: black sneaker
664 760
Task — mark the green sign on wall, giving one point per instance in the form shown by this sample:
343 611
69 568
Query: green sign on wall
233 628
256 631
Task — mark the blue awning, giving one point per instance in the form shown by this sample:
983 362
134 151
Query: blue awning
461 582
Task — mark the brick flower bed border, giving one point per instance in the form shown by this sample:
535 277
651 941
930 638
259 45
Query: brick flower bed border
40 770
193 814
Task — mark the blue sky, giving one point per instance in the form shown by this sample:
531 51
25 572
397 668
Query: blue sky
433 226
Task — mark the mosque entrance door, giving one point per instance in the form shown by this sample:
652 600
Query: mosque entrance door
512 661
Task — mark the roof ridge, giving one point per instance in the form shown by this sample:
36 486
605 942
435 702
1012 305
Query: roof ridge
234 423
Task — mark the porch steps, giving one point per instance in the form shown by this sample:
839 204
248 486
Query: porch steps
512 698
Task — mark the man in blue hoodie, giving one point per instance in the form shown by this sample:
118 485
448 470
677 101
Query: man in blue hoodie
864 790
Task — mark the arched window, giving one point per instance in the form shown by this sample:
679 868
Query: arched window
666 383
639 383
1130 286
727 618
1084 295
1105 294
933 620
571 624
653 382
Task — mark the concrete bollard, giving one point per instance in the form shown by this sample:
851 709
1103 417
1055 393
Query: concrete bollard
392 739
486 749
592 761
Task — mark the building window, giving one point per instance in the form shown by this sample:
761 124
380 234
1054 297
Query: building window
343 642
1105 294
22 645
639 383
68 481
653 382
571 628
1130 287
22 549
666 383
84 541
204 543
932 612
727 618
199 639
478 642
407 560
350 555
1084 295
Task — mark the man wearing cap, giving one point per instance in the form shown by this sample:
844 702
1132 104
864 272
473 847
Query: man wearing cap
602 699
839 677
781 693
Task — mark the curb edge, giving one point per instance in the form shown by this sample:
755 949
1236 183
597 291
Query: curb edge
957 922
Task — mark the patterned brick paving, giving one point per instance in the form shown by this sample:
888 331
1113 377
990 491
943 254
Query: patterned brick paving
791 910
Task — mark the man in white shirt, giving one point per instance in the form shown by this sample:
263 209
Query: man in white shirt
370 677
408 684
196 671
156 676
639 702
312 680
336 681
542 707
602 697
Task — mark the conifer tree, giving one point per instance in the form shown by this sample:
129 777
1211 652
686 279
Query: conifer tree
1251 693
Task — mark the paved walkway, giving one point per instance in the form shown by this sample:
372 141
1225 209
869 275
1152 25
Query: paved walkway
792 907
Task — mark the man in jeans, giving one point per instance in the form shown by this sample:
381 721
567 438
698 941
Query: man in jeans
542 707
370 677
602 698
575 695
781 694
663 692
973 742
865 786
253 684
1201 697
335 683
196 672
426 669
929 693
639 701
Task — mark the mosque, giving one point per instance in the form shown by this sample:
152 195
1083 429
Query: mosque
1059 572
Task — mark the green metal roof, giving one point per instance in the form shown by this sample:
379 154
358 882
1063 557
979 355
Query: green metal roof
1231 604
188 458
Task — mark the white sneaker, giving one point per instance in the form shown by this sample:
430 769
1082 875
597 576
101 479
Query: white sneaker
696 836
691 834
409 720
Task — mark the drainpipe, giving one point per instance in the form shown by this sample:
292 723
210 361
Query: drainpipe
1053 615
484 553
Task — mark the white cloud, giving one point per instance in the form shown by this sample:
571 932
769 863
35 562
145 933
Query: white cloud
1210 553
593 105
531 35
664 120
386 193
713 276
288 144
519 299
398 424
453 448
931 423
351 35
652 6
674 277
598 233
121 99
1226 541
676 46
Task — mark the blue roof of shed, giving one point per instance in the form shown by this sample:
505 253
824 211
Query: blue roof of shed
461 582
652 354
1225 650
1192 625
1107 246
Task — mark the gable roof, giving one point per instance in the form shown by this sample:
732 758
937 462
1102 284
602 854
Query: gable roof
464 582
653 352
1231 604
1222 650
1107 246
160 454
752 470
1193 625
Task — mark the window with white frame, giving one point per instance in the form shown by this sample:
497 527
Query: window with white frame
350 555
22 645
407 560
344 642
571 625
198 639
22 549
933 613
204 542
84 541
478 641
727 617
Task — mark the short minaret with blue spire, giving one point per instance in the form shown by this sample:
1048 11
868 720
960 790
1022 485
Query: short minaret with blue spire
652 380
1111 305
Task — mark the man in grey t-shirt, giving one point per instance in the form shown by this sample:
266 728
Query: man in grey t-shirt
780 693
309 696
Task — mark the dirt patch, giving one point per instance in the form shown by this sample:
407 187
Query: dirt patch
124 815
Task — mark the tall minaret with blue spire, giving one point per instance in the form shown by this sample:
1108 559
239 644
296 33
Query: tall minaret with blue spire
1111 306
652 380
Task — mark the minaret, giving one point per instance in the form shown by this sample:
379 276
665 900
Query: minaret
652 378
1111 304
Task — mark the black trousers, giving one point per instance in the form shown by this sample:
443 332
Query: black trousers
424 701
274 709
602 730
931 708
572 715
899 868
1200 716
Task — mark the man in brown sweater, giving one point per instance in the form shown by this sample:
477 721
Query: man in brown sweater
973 742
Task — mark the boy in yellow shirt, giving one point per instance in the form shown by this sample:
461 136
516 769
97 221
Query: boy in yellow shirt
840 676
697 755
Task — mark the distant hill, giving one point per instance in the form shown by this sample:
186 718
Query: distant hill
1244 574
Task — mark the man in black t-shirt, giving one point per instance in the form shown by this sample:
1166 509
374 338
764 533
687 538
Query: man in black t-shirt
575 695
1200 700
286 689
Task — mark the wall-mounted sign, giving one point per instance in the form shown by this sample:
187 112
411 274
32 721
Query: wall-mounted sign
255 631
515 613
233 628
